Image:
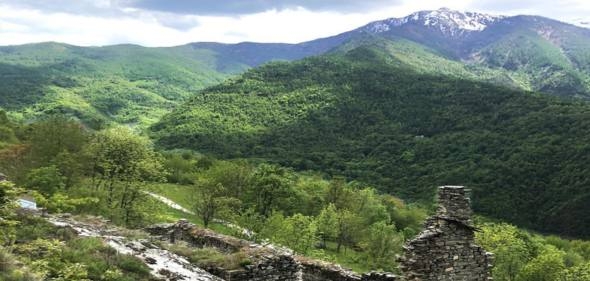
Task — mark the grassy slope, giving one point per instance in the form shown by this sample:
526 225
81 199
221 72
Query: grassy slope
402 131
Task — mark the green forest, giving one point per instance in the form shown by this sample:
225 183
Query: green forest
523 154
108 172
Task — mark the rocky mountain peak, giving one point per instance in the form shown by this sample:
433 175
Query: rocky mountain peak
449 22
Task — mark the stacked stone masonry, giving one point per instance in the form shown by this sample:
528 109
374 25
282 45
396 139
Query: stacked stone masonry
445 250
268 262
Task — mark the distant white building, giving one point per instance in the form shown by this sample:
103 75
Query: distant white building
27 202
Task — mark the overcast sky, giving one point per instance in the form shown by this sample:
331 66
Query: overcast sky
176 22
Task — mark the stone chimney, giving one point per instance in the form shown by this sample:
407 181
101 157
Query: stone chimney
445 250
454 204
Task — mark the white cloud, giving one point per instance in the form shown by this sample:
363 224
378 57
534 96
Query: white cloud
23 24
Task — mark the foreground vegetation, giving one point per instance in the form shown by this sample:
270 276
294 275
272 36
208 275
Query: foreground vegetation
107 172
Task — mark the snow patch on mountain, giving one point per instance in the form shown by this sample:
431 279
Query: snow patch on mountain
449 22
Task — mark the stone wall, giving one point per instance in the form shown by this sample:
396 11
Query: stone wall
267 261
197 237
445 250
314 270
280 267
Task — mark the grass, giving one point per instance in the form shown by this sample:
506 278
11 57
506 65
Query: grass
175 192
53 252
210 257
179 194
12 270
347 257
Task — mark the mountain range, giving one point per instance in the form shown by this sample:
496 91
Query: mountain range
525 52
404 104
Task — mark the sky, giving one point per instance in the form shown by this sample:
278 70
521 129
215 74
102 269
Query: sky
176 22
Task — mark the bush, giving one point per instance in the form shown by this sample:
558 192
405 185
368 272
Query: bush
10 270
46 180
132 265
211 257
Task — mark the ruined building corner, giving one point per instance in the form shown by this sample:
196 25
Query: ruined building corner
445 250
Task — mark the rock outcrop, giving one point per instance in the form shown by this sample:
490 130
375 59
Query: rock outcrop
445 250
164 264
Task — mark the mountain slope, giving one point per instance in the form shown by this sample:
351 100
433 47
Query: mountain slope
548 55
126 83
135 85
376 120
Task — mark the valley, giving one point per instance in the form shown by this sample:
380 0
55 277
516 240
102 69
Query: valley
333 148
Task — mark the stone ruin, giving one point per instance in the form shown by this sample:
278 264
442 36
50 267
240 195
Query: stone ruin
267 262
445 250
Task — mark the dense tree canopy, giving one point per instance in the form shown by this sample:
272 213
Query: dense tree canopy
370 119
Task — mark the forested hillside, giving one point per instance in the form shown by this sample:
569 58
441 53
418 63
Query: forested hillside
133 85
378 121
123 84
126 84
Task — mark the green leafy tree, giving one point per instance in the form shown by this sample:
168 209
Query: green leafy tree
297 232
70 167
8 222
382 243
233 175
11 269
407 218
254 221
577 273
120 162
349 229
60 202
327 222
311 195
511 250
547 266
54 135
46 180
269 184
212 201
179 168
6 130
368 205
338 193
